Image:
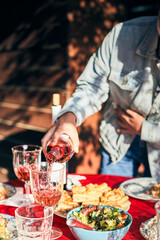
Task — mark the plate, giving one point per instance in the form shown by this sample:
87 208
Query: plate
11 192
148 229
60 215
11 226
138 187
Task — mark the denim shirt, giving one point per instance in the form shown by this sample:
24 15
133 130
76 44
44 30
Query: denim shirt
124 71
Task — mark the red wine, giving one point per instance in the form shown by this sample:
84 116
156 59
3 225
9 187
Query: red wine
22 172
47 197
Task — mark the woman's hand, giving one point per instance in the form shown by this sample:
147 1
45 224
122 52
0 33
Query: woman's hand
65 124
129 121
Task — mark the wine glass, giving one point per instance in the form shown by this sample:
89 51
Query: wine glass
23 156
47 186
33 222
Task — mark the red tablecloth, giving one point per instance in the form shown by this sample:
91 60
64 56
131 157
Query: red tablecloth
139 209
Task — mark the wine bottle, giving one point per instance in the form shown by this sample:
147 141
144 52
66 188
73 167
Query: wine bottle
56 108
61 151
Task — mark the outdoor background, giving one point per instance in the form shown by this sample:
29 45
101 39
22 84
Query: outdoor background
44 46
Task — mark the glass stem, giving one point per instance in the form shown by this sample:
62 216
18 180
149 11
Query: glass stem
27 189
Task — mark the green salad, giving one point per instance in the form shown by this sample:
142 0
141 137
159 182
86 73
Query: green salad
102 218
5 236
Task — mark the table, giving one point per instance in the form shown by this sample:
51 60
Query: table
140 210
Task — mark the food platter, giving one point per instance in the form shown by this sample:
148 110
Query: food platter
91 194
148 229
138 187
11 226
10 190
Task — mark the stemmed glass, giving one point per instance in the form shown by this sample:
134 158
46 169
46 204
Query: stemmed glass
23 156
47 186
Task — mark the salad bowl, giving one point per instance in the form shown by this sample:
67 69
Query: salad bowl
81 233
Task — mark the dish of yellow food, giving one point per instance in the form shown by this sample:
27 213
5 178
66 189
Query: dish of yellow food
6 191
92 194
3 225
7 227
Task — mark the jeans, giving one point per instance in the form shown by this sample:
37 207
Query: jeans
128 165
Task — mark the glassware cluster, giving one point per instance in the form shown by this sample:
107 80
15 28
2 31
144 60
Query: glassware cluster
46 182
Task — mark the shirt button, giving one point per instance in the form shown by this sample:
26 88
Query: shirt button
155 161
158 65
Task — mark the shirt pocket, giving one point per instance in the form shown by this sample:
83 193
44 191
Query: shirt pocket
125 81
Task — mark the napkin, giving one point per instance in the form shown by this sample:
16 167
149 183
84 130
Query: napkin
74 180
17 199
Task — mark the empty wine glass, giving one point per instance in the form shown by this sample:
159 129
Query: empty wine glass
23 156
47 186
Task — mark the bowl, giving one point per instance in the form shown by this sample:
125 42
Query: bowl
85 234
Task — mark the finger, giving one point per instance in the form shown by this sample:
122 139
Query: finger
122 123
122 115
46 138
75 139
126 119
130 112
124 126
122 130
55 136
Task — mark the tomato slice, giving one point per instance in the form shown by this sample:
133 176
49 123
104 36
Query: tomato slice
87 210
124 216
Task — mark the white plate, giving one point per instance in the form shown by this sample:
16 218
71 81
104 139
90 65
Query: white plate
11 226
138 187
60 215
12 190
148 229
